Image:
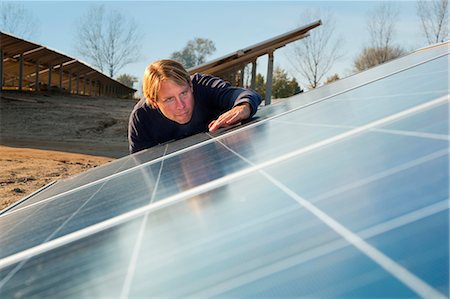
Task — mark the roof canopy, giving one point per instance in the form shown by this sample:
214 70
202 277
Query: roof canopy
247 55
16 49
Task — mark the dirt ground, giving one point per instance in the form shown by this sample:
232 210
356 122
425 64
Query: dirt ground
44 138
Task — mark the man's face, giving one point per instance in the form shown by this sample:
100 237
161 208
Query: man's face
176 102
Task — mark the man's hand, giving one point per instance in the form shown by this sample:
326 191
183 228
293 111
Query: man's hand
235 115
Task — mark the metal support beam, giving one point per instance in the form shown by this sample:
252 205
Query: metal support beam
269 80
84 86
1 69
69 88
49 85
60 76
253 83
36 79
241 77
21 72
78 84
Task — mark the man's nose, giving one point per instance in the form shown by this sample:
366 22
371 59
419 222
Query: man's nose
180 103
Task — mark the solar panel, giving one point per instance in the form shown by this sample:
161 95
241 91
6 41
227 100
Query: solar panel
338 192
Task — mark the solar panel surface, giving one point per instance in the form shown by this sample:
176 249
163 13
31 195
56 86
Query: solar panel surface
338 192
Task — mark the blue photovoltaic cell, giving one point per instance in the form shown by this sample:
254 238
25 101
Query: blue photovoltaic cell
294 204
30 227
348 161
381 71
355 108
109 198
272 139
433 121
242 239
113 168
380 98
385 198
94 174
422 247
102 257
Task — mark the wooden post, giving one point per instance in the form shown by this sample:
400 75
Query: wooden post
21 72
78 83
69 88
49 85
241 78
60 77
36 78
269 80
253 83
1 69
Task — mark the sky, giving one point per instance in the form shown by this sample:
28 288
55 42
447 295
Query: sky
166 27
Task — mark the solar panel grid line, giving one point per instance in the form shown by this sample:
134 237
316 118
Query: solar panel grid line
74 190
405 219
415 217
122 173
400 62
24 219
416 284
381 175
51 236
412 281
390 96
356 86
72 182
14 205
136 248
243 248
230 232
275 266
379 130
119 219
212 184
414 134
408 111
320 251
315 253
391 223
126 286
249 126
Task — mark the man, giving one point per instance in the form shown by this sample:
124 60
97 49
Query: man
175 105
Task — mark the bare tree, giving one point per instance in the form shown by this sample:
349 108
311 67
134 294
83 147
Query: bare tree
381 25
15 19
434 19
314 56
381 28
371 57
108 39
332 79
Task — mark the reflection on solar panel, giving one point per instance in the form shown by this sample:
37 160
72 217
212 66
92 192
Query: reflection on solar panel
339 192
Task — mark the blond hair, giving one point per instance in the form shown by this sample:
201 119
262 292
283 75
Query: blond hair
158 71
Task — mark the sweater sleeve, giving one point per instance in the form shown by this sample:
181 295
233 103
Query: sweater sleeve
222 96
139 137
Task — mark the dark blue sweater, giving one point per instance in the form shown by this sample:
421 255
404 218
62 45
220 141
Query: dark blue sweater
148 127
